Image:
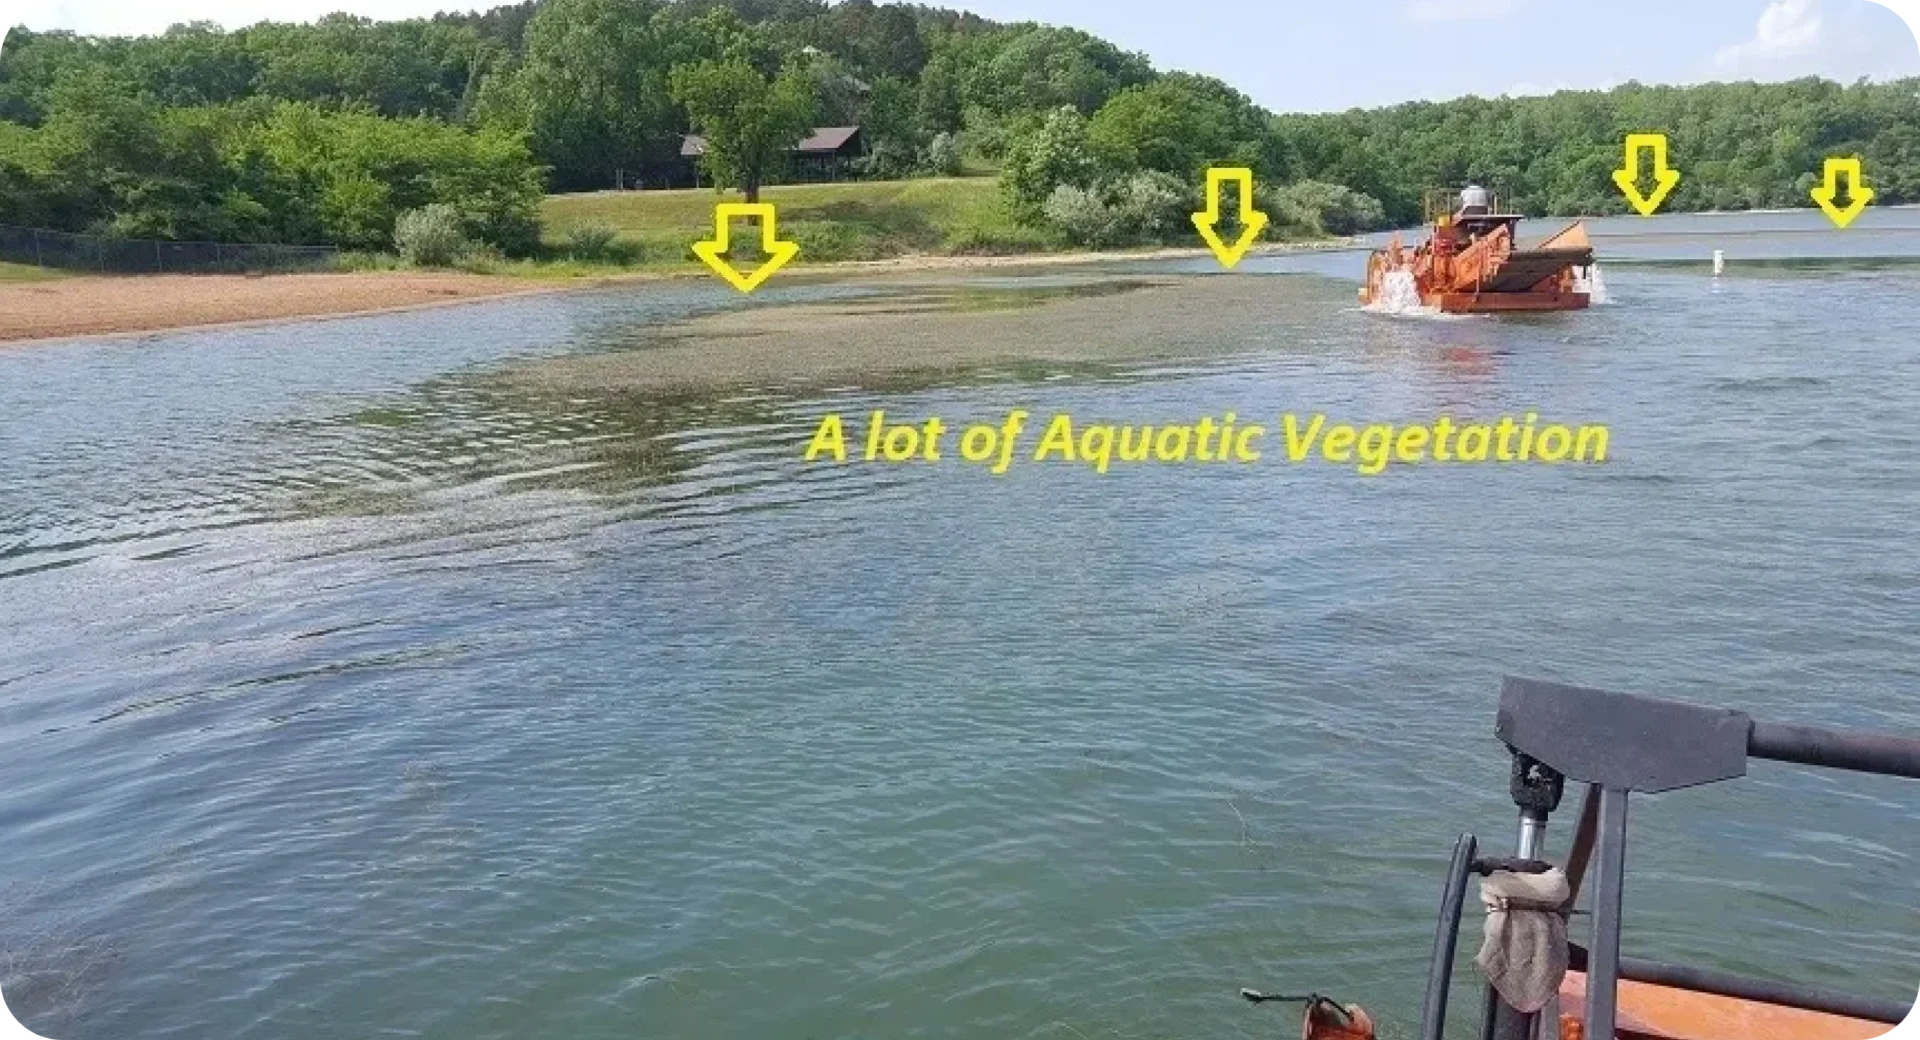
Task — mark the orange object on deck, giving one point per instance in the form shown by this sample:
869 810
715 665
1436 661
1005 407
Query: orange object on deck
1471 264
1326 1020
1651 1012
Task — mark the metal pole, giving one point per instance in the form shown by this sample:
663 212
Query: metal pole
1533 836
1500 1020
1836 749
1446 938
1580 851
1536 789
1495 1015
1609 889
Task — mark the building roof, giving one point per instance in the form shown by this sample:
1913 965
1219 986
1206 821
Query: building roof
827 139
824 139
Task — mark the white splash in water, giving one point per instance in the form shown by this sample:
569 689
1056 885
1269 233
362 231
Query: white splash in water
1590 281
1400 294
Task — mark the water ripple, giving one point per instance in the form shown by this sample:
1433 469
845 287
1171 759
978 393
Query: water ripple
346 689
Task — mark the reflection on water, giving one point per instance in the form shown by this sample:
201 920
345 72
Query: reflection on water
349 686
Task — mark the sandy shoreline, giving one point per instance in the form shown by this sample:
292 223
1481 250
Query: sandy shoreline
88 306
85 306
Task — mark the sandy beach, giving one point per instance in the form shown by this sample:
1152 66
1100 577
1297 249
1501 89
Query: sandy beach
91 305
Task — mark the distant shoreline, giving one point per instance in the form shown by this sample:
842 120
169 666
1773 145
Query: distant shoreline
1777 211
65 308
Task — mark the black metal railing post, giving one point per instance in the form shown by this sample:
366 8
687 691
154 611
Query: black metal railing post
1880 753
1609 890
1446 939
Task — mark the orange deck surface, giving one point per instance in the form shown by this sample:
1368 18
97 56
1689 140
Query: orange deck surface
1659 1013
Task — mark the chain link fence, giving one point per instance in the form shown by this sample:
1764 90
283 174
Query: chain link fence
105 253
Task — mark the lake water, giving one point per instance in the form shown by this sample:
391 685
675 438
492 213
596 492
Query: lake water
348 691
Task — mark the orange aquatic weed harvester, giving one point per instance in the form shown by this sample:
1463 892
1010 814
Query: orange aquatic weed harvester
1471 262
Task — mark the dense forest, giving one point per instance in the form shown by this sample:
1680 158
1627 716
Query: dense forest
328 132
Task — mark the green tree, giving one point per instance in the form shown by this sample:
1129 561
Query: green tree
401 68
345 177
592 90
1182 124
939 108
1031 68
894 138
883 40
1055 154
749 122
194 64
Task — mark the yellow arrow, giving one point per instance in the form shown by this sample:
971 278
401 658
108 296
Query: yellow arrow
714 250
1858 194
1628 178
1252 221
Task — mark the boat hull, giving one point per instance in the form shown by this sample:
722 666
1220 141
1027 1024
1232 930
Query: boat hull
1495 303
1509 303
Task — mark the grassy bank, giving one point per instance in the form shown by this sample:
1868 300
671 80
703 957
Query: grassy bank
25 273
868 220
653 231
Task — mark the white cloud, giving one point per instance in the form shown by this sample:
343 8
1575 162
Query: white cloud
1789 32
1429 11
1840 39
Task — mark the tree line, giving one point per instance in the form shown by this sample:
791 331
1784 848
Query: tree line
327 132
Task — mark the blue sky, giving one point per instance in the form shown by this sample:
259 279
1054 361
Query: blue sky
1293 55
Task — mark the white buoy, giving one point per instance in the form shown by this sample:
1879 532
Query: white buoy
1719 263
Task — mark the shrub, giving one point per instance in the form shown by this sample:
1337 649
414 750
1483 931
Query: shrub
1149 206
1317 208
1156 206
1082 214
1053 154
832 240
482 259
430 236
591 241
1287 213
1350 212
943 155
999 240
890 159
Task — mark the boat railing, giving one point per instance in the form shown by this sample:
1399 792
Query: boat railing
1620 744
1441 206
